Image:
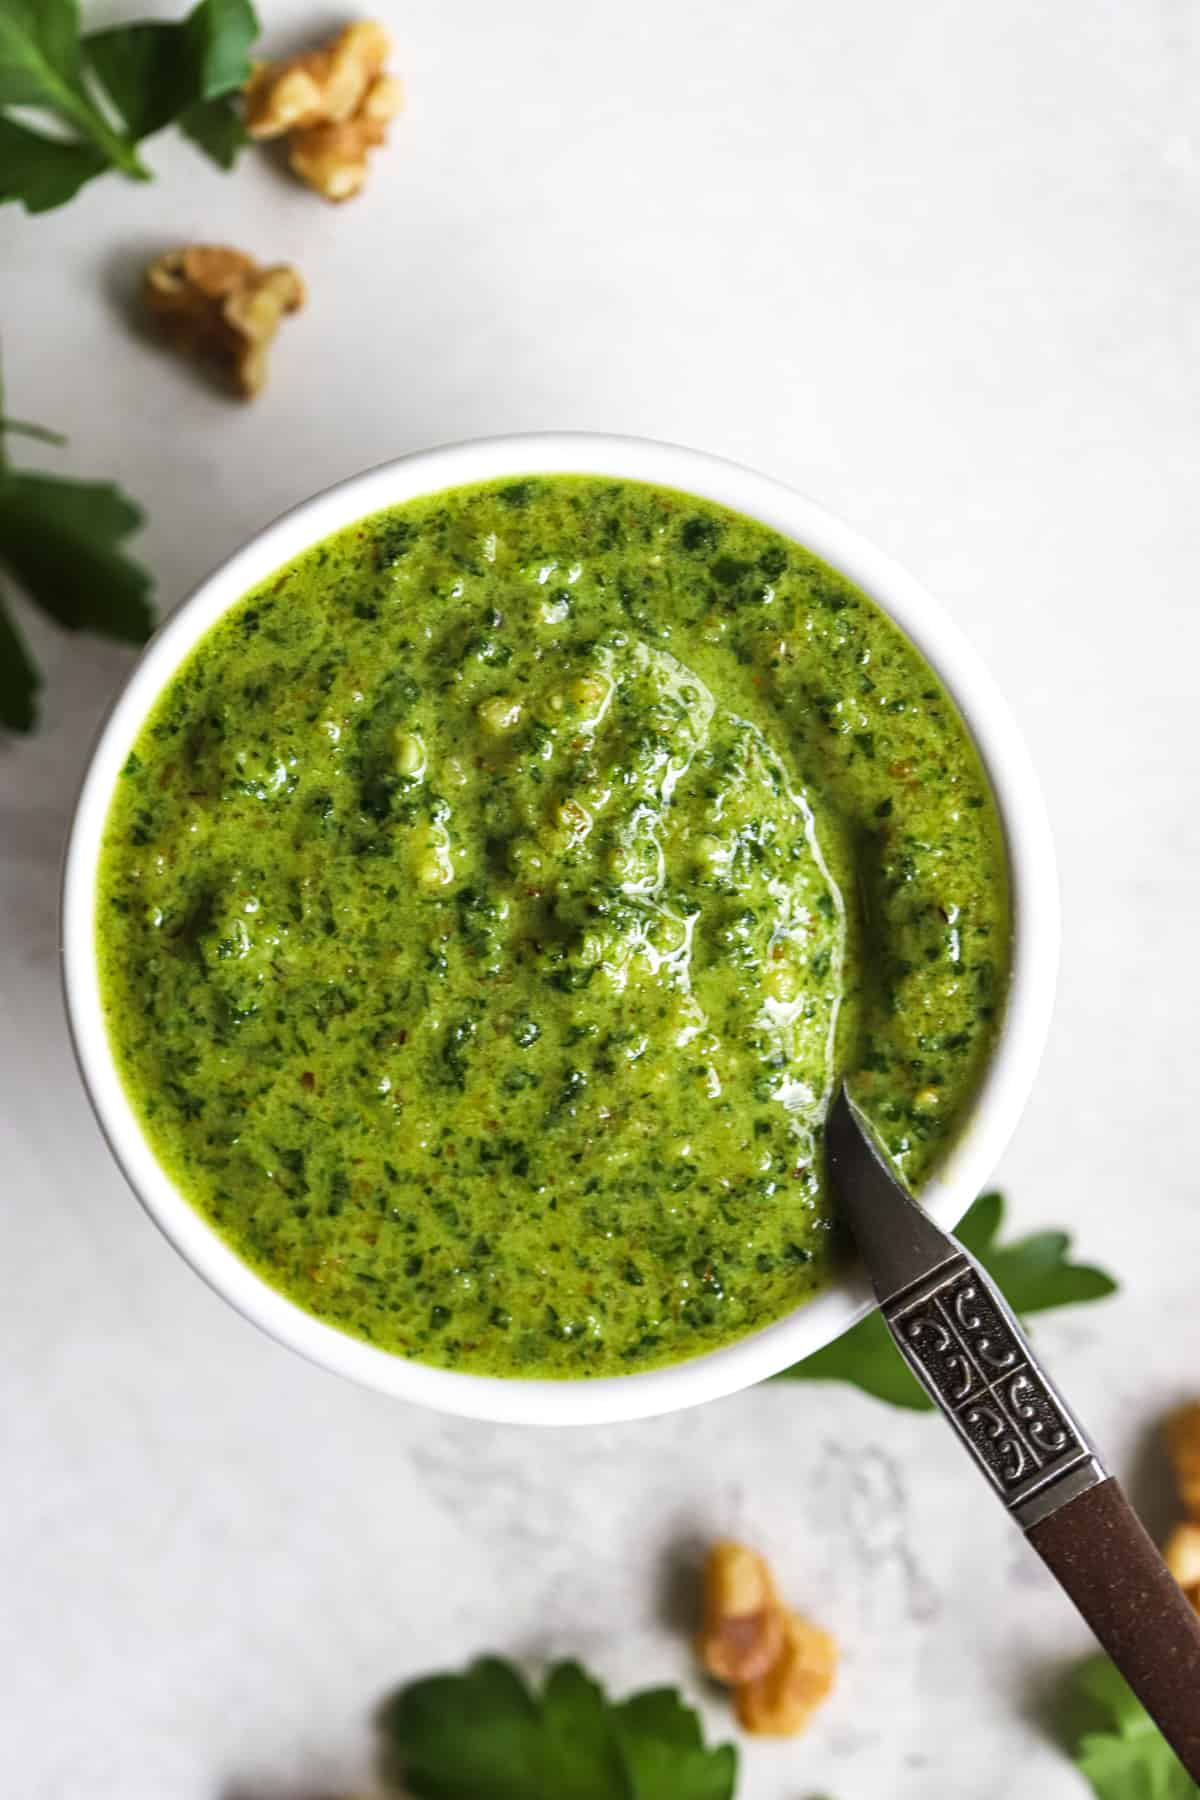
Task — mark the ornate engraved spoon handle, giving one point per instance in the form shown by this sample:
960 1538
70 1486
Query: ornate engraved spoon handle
964 1345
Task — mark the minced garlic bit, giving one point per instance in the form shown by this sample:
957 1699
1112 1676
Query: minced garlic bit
409 753
218 304
780 1665
589 691
500 714
333 104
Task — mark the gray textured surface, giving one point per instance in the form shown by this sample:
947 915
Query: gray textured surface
938 265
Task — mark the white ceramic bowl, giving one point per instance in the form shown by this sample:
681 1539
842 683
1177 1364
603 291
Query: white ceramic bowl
1035 911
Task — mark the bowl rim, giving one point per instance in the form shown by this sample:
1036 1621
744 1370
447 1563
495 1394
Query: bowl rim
1034 898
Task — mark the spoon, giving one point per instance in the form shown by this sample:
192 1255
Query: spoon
964 1345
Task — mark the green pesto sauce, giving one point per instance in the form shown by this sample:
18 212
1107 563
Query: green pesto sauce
494 897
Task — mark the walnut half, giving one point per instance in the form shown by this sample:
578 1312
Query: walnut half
218 304
780 1666
333 104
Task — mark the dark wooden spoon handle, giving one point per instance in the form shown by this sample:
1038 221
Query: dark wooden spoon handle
1098 1549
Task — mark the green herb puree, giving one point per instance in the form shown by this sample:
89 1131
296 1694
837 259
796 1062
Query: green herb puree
493 898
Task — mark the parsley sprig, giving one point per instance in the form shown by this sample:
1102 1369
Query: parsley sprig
97 97
1035 1275
486 1735
60 543
1118 1749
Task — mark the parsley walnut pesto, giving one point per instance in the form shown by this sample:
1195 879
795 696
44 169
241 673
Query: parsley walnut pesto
493 898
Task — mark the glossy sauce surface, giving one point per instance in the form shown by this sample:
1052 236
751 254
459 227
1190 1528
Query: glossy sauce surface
492 899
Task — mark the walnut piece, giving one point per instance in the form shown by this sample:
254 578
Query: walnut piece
1182 1557
780 1702
780 1666
333 158
1182 1550
334 105
1183 1446
742 1632
322 87
218 304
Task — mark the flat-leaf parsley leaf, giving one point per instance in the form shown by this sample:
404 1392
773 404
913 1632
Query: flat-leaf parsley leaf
1130 1760
486 1735
100 95
61 543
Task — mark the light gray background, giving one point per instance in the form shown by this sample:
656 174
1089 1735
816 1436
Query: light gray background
938 265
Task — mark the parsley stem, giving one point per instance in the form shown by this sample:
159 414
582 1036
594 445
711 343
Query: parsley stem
25 428
120 150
